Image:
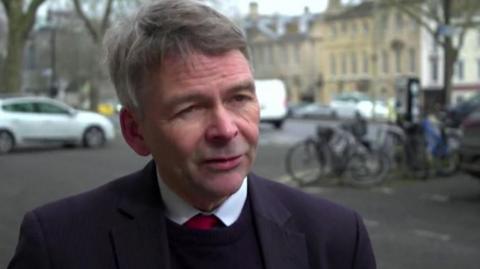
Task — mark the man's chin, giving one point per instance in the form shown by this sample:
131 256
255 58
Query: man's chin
225 184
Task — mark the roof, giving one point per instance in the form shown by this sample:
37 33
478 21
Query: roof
363 9
275 27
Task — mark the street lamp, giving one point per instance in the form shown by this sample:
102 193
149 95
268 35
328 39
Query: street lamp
53 89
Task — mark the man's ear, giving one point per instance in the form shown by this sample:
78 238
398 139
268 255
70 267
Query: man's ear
131 132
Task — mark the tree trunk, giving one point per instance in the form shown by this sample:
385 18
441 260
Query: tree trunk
450 58
93 95
12 69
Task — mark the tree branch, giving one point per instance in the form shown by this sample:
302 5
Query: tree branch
87 22
106 17
6 4
28 19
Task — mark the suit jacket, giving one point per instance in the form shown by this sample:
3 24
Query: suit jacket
121 225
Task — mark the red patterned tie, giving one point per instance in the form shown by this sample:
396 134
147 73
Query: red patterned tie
202 222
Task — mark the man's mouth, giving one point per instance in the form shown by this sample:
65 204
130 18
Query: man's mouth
223 163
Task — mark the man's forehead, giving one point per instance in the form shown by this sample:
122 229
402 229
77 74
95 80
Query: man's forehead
195 60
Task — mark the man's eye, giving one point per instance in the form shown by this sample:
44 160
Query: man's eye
188 110
241 98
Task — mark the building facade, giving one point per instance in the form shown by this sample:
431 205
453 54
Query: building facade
282 47
363 47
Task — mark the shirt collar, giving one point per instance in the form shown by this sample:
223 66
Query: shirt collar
179 211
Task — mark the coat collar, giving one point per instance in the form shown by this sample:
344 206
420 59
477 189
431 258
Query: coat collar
141 240
282 245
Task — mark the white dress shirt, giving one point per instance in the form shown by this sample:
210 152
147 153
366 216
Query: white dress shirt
179 211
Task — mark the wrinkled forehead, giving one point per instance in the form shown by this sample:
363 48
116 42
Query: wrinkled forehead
202 64
192 61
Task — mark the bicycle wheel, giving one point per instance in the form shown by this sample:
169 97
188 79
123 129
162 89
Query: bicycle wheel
448 161
367 169
418 165
446 165
302 162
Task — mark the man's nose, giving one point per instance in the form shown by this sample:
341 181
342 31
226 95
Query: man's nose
222 127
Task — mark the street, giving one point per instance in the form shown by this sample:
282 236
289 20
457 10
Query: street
412 224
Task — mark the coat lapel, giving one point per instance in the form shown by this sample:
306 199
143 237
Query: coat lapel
282 246
140 241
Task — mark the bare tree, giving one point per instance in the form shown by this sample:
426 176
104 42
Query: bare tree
21 18
96 26
445 20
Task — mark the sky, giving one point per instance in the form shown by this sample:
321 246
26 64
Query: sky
286 7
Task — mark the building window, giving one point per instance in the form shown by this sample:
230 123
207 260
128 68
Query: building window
365 62
413 60
398 61
459 70
286 54
333 30
344 64
253 53
434 68
258 55
365 27
344 27
478 68
268 55
399 21
333 64
384 21
296 52
354 62
478 38
385 62
354 29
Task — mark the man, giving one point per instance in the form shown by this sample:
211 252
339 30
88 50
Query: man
181 71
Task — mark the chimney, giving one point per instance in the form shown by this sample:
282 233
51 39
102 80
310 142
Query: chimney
306 10
334 5
253 10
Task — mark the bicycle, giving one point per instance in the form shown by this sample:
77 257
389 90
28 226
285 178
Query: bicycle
418 150
408 155
336 154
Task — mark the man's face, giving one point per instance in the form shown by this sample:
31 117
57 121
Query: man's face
201 125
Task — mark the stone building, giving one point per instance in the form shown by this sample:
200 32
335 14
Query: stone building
365 48
282 47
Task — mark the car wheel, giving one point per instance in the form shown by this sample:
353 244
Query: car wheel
93 137
334 115
278 124
7 142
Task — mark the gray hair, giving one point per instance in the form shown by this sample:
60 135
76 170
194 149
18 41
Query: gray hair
138 46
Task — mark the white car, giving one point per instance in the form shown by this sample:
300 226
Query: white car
348 104
33 120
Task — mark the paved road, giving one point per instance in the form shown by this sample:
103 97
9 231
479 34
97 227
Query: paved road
431 224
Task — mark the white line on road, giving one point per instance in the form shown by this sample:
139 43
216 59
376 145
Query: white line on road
432 235
314 190
284 179
435 197
384 190
371 223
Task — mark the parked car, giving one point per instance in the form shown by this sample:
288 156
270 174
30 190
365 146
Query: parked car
470 144
313 110
33 120
346 105
457 113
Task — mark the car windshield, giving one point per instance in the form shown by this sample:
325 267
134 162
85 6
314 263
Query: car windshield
351 97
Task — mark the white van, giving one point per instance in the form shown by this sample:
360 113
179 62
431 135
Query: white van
272 97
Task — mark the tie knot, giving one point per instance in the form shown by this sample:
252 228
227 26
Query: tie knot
202 222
